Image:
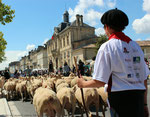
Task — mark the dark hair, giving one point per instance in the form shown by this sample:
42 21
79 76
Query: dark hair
115 19
94 58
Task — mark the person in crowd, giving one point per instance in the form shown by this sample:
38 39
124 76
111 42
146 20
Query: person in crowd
51 69
87 69
66 69
73 69
6 74
60 70
81 67
16 74
120 65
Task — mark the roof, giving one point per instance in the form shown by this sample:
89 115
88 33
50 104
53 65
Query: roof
84 24
89 46
143 43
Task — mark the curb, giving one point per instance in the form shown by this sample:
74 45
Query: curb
4 108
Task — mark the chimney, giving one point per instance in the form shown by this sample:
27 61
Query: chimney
77 20
81 20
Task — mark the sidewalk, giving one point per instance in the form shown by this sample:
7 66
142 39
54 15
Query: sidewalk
4 108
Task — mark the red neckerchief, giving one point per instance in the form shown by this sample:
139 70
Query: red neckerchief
121 36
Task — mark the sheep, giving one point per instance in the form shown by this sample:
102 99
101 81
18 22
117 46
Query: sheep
74 81
68 80
67 99
62 85
2 81
46 101
22 89
58 82
90 96
9 86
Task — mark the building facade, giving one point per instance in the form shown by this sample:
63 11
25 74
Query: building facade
69 40
13 66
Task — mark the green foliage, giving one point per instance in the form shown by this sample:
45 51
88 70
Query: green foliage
102 39
6 14
3 44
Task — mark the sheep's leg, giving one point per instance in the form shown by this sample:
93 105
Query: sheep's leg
101 106
97 109
73 109
22 96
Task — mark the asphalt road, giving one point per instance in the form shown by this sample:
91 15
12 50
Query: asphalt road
26 109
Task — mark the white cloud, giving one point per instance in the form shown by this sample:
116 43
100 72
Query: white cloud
11 56
86 8
146 5
30 47
99 31
111 4
147 39
142 25
92 16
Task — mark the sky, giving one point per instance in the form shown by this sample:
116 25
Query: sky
35 20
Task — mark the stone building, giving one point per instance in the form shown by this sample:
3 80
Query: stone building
71 39
145 46
13 66
36 59
42 62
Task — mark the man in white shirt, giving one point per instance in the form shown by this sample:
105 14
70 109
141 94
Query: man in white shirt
120 64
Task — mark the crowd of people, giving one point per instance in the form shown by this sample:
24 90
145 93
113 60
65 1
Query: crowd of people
85 69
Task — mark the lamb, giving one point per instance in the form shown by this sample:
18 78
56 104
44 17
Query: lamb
67 99
46 101
90 96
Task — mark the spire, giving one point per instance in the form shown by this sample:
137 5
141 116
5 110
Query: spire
66 16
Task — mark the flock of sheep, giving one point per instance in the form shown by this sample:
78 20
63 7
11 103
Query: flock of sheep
52 94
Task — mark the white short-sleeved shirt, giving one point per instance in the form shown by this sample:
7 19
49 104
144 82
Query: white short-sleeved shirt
124 61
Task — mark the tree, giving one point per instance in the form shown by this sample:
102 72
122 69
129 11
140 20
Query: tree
3 44
6 16
102 39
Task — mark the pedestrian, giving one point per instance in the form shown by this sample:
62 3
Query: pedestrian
120 64
51 69
6 75
66 69
16 74
81 67
73 69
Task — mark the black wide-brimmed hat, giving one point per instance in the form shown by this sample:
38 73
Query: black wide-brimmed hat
115 18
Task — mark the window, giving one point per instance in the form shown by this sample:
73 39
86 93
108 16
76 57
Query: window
68 54
67 40
60 44
64 42
56 45
64 55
